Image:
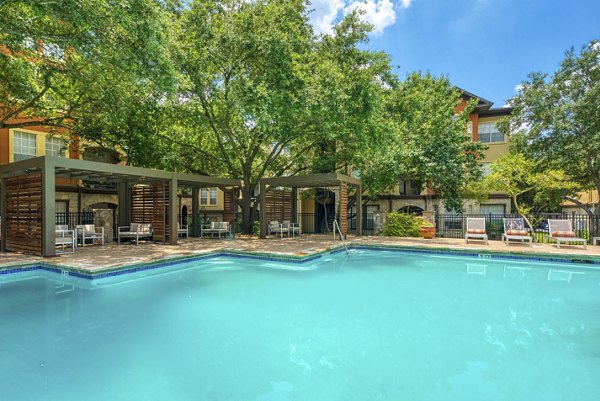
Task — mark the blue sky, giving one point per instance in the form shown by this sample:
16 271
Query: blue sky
485 46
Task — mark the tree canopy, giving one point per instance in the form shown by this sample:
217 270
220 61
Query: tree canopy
231 87
529 186
559 118
425 141
63 63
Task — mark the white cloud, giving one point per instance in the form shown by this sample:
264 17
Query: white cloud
325 14
380 13
518 88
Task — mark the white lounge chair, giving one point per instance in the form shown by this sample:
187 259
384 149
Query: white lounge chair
182 229
476 230
277 228
293 228
135 230
64 237
514 230
216 227
595 240
89 231
561 231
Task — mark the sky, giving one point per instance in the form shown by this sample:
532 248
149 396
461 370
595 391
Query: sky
486 47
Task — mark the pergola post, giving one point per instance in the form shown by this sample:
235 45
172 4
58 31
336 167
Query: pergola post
263 214
2 214
124 203
48 208
294 205
173 211
359 218
195 208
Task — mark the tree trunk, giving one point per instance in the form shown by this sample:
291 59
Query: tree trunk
524 218
248 211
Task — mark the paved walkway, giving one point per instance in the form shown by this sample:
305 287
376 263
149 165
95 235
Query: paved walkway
97 258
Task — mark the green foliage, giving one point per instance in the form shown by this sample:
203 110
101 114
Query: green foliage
263 96
402 225
530 186
97 67
558 117
426 142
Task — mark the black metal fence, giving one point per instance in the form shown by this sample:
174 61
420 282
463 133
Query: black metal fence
310 224
455 225
72 219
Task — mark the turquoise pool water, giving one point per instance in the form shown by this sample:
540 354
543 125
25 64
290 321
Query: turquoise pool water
373 326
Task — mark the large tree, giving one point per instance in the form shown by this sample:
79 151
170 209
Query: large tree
529 186
559 116
263 96
426 141
64 61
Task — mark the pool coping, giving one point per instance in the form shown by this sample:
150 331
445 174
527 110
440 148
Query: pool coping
111 271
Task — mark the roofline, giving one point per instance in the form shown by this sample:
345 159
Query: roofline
498 111
474 96
65 167
310 180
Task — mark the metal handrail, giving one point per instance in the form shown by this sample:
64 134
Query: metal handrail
337 225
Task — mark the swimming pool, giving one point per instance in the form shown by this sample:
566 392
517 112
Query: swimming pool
376 325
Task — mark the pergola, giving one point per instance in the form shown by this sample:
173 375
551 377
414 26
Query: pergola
28 189
326 180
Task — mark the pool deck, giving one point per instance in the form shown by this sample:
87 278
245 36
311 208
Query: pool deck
94 259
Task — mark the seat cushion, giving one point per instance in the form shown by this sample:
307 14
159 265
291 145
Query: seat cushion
476 231
566 234
517 232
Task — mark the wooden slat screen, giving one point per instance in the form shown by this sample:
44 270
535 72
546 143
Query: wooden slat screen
229 205
278 205
344 208
24 222
150 204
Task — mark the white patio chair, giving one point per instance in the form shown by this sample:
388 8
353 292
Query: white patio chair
216 227
561 231
135 231
278 229
89 231
64 238
514 230
293 228
182 229
476 230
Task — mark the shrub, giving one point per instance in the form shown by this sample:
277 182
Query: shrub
402 225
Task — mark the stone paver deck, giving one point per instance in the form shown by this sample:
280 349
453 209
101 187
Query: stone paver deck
98 258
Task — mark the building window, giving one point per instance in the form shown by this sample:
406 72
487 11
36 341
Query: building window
498 209
409 188
208 196
55 146
489 132
24 145
62 206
